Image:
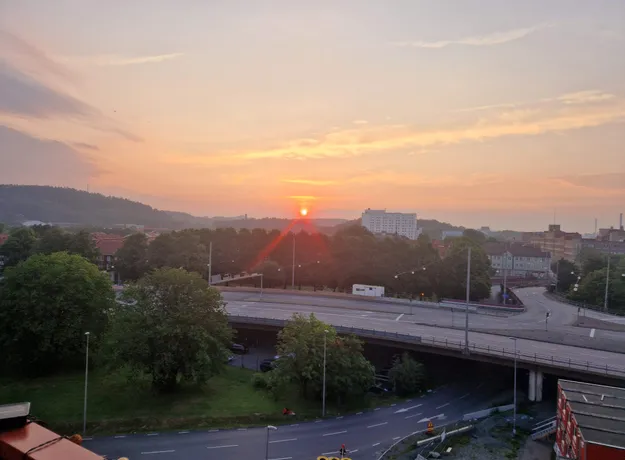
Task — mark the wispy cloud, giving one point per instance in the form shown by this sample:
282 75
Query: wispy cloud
314 182
497 38
84 146
585 97
109 60
360 122
607 181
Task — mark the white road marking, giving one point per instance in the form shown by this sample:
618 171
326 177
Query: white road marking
358 413
152 434
295 424
443 405
282 440
182 432
592 333
399 317
377 408
415 415
464 396
376 444
120 436
213 431
406 409
241 429
393 405
352 451
339 417
434 417
158 452
281 458
396 438
87 439
223 447
377 424
335 433
318 421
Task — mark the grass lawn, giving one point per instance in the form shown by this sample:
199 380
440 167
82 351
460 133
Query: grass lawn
117 405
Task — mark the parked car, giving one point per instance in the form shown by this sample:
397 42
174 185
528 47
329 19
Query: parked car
267 364
239 348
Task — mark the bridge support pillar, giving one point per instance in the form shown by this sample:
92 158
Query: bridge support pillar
531 387
535 387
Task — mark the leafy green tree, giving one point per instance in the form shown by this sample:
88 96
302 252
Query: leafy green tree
131 259
407 375
47 303
453 273
2 227
475 235
18 247
82 244
273 274
52 239
301 345
173 327
566 272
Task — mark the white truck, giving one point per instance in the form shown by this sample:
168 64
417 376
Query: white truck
369 291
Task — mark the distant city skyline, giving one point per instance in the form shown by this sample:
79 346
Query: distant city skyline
478 113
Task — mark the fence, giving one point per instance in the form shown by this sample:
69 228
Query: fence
457 345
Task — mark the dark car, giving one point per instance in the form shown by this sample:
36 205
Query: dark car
239 348
267 364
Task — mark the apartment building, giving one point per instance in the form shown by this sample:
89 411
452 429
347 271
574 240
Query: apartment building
518 259
391 223
559 244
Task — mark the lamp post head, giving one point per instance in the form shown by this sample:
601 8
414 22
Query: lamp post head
396 276
87 333
271 427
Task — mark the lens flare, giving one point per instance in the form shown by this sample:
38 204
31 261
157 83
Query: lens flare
303 212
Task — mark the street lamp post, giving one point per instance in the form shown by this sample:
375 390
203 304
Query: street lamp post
323 392
261 285
293 270
514 416
84 419
210 261
466 323
607 279
269 427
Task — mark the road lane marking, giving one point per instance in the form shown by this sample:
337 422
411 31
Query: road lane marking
158 452
213 431
415 415
358 413
87 439
376 444
318 421
396 438
152 434
443 405
393 405
223 447
377 408
335 433
281 458
406 409
399 317
120 436
377 424
464 396
182 432
282 440
592 333
340 417
295 424
241 429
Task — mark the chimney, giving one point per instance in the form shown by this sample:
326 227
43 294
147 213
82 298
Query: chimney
621 222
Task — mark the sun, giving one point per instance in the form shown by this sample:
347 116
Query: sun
303 212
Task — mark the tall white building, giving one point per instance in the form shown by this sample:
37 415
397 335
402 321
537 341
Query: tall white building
392 223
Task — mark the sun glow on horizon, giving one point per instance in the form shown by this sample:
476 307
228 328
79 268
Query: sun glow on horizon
303 212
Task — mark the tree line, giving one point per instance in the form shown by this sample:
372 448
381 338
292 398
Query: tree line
585 280
169 326
351 256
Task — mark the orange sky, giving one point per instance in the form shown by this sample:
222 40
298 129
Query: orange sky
214 109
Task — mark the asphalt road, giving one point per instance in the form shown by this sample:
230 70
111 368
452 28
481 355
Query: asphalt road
364 433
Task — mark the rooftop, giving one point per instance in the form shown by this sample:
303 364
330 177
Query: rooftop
599 411
517 250
3 238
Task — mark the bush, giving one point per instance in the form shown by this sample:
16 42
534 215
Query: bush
407 375
259 381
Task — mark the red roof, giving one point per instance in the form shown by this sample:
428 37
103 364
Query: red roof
109 246
3 238
15 443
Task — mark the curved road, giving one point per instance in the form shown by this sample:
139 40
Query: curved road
364 434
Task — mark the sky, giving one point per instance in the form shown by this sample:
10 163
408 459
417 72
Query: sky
505 114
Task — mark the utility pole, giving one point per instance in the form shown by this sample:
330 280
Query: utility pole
293 270
505 277
557 274
466 323
325 347
607 278
210 261
84 417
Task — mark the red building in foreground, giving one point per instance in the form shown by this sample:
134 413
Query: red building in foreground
590 422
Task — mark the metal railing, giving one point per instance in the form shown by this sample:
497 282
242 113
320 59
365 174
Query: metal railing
457 345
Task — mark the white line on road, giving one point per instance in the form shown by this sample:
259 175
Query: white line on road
415 415
120 436
377 408
152 434
406 409
376 444
281 458
352 451
396 438
358 413
241 429
182 432
295 424
213 431
282 440
339 417
336 432
223 447
443 405
393 405
464 396
377 424
87 439
399 317
318 421
158 452
592 333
